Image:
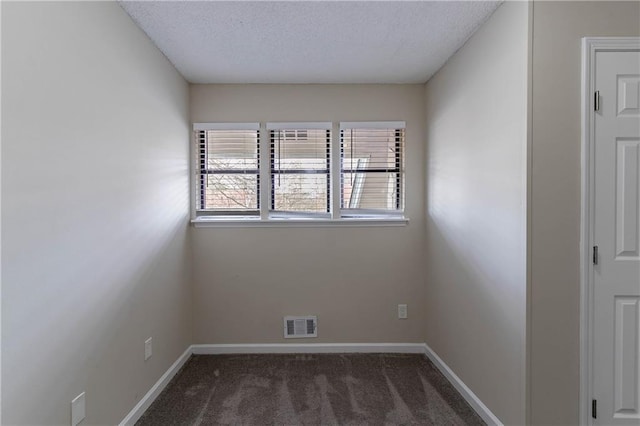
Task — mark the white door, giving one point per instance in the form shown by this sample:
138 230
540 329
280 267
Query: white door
616 277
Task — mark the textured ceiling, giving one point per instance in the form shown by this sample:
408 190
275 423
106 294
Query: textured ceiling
309 41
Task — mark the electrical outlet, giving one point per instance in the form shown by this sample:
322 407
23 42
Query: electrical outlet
148 348
402 311
78 409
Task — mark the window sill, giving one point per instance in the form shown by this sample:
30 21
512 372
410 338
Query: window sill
256 222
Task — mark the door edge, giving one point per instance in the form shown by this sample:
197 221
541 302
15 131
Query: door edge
590 47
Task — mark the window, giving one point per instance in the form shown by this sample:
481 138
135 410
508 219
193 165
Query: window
300 170
228 169
371 169
283 171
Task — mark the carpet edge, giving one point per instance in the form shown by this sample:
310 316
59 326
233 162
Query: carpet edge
283 348
145 402
472 399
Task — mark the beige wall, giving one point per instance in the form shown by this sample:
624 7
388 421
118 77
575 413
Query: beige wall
95 124
555 196
247 279
476 217
94 212
0 220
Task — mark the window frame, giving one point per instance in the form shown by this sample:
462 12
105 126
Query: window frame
201 171
265 215
399 128
272 128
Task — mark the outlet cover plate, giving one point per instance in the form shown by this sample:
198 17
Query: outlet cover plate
402 311
78 410
148 348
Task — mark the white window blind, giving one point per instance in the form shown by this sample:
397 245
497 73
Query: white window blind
280 172
300 170
228 169
371 168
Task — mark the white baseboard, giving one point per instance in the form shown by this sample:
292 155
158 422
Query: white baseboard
307 348
475 402
146 401
292 348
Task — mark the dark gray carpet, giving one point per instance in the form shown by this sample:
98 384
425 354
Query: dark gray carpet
304 389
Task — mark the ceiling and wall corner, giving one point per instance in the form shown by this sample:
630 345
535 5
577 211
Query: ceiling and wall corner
556 195
95 248
352 278
262 43
476 121
309 42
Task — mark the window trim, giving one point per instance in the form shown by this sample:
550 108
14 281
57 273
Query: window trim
264 216
398 168
273 172
225 126
199 172
256 222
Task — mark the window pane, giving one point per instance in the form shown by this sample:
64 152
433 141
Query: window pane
300 149
369 191
231 192
381 148
300 170
300 192
372 175
232 149
228 170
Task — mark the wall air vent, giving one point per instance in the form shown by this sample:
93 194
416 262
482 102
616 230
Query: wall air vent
297 327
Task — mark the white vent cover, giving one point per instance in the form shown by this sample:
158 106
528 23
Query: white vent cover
296 327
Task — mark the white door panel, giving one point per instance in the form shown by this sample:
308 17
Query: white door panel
616 278
627 229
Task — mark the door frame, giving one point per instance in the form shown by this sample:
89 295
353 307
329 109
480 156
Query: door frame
590 46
